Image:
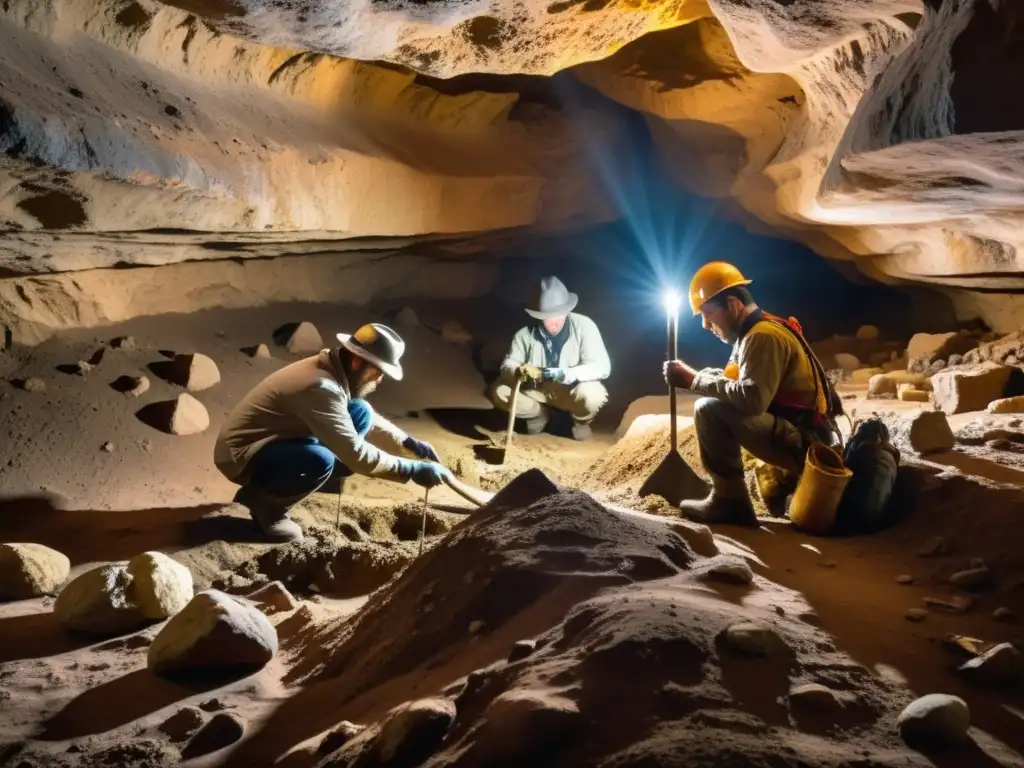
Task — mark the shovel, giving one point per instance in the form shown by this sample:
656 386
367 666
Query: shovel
673 479
496 454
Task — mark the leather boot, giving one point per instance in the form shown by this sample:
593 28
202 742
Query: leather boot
728 503
270 513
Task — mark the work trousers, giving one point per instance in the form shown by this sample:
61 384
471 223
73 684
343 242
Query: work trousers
292 469
582 400
722 430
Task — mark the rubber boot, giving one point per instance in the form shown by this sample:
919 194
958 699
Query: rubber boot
727 503
581 432
539 423
270 513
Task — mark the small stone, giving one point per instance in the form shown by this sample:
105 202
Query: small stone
131 386
274 598
195 372
934 548
929 432
108 447
30 570
911 394
847 361
407 316
935 720
182 724
812 696
339 736
212 705
904 578
476 626
214 631
33 384
223 730
454 333
259 351
1007 405
1000 666
916 614
973 578
182 416
867 333
123 342
733 571
82 368
699 536
301 339
1004 614
754 639
521 650
954 604
412 732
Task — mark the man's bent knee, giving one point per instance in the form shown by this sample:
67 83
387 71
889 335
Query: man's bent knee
590 397
500 395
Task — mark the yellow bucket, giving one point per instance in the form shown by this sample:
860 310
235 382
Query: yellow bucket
821 486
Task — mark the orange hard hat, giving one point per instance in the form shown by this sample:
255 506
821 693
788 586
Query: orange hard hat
710 280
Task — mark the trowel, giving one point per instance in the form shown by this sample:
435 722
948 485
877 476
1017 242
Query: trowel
496 454
673 479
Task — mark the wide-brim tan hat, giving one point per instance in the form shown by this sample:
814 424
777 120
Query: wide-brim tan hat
378 345
553 299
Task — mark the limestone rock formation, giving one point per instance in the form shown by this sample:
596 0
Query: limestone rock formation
959 391
1007 405
214 631
30 570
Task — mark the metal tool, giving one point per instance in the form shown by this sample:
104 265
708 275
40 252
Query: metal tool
423 526
673 479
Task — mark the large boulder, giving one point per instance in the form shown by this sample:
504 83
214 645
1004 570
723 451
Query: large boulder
971 389
935 720
123 596
30 570
928 432
1007 405
195 372
214 631
887 384
932 345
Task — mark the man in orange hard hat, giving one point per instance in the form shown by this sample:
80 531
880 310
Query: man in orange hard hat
773 397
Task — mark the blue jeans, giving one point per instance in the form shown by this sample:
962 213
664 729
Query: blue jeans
296 467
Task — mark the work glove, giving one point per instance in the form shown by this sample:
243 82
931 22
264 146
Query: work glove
529 372
553 374
429 473
421 448
678 374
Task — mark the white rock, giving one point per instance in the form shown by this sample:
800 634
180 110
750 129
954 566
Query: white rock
935 720
962 390
754 639
1007 405
734 570
188 416
867 333
213 631
33 384
195 372
259 351
846 361
452 332
30 570
99 601
304 339
700 537
929 431
161 586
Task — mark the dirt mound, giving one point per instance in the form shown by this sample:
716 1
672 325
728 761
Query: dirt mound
632 459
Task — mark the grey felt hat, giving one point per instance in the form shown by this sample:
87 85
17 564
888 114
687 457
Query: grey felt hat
552 300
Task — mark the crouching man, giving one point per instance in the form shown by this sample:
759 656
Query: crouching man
772 399
561 360
311 418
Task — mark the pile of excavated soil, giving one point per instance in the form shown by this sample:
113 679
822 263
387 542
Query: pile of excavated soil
549 630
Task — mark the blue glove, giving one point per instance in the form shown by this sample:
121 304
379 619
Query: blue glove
421 448
553 374
429 473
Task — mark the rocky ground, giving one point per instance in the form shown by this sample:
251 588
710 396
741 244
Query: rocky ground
543 629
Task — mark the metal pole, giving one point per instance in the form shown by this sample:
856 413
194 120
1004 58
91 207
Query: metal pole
673 351
423 526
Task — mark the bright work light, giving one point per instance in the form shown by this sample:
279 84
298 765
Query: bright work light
671 301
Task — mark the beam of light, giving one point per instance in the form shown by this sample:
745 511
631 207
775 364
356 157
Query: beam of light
671 301
666 225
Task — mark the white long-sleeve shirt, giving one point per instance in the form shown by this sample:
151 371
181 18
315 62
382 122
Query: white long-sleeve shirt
583 356
307 398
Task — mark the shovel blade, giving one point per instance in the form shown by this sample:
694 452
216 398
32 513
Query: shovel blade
674 481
